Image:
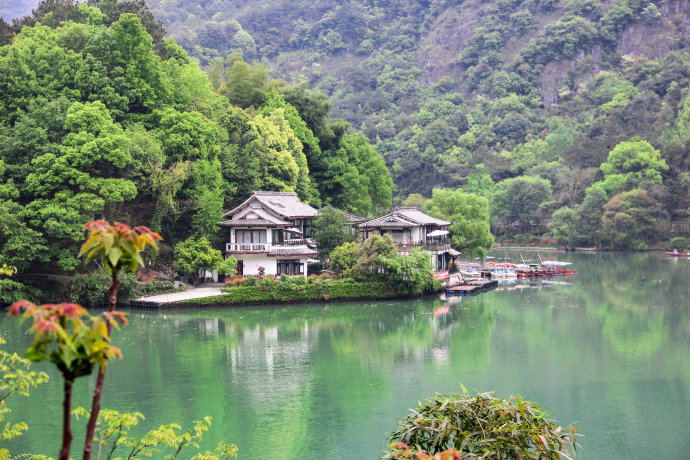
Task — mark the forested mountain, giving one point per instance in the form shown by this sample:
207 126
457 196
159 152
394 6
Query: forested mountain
102 118
472 92
570 116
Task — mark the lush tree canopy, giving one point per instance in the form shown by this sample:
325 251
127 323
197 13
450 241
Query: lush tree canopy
520 201
469 218
102 118
194 256
330 229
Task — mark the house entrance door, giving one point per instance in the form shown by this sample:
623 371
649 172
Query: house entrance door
240 268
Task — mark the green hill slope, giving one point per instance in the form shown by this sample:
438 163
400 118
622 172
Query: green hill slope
455 93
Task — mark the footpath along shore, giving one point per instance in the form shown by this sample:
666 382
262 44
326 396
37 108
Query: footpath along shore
207 290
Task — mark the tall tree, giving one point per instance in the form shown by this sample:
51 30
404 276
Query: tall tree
522 200
469 218
331 228
636 160
633 220
246 85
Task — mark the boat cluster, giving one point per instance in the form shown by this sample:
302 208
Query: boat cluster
506 270
546 268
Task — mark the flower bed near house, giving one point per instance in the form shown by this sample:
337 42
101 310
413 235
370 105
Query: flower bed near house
277 291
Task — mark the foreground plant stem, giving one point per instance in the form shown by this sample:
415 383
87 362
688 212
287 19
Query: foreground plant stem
66 420
98 390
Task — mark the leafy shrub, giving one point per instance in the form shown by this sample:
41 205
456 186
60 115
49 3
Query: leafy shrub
157 285
267 282
322 276
92 290
11 291
680 243
484 427
227 267
251 281
235 281
276 291
297 280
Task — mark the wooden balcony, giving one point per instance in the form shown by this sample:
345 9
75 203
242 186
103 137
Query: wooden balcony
244 248
295 242
425 245
247 247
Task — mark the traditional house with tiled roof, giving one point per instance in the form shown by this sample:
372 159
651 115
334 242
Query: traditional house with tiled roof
411 228
270 230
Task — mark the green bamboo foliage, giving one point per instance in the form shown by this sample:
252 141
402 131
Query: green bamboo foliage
485 427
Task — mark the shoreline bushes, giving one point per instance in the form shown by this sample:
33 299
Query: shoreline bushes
269 290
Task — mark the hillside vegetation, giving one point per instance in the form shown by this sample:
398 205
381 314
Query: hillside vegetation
471 93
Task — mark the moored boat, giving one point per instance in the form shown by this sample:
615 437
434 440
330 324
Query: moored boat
504 273
678 254
470 273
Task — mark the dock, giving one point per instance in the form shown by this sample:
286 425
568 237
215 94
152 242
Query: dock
474 286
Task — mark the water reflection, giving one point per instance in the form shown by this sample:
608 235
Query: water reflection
607 349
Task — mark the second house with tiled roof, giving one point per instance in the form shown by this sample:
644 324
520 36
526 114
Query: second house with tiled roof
411 228
270 230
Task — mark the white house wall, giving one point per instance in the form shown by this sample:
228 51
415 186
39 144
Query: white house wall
252 262
417 234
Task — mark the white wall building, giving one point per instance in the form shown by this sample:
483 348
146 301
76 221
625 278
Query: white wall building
270 230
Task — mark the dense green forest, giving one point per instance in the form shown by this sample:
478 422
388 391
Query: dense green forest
470 93
102 118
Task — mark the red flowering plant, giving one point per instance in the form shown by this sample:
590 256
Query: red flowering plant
119 247
401 451
68 336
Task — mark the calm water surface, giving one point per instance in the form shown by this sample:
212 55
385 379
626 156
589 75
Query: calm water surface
609 351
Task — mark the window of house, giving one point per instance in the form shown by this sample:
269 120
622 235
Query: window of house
277 236
250 236
289 267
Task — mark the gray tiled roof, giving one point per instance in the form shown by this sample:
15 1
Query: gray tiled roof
389 221
284 204
404 217
278 251
248 223
263 219
418 216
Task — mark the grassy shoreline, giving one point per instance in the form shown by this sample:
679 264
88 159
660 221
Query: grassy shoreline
287 293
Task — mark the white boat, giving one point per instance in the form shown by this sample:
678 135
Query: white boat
555 263
470 273
502 273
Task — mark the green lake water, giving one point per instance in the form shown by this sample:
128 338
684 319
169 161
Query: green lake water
609 351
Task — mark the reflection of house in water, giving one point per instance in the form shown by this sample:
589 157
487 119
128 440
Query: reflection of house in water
271 363
411 228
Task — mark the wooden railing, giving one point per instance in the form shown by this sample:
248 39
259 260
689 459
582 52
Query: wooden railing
426 245
262 247
296 242
247 247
